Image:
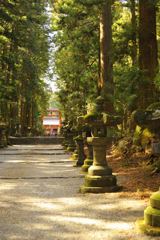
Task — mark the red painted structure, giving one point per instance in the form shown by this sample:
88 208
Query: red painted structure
52 122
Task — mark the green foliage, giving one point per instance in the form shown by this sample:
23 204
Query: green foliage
122 34
126 91
76 58
157 81
79 137
154 106
53 101
153 2
23 57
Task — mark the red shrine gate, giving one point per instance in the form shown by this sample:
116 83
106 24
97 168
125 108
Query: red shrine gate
52 122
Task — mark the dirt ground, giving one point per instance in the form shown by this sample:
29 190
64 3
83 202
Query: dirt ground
139 175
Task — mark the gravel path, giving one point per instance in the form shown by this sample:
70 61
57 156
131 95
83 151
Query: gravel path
39 199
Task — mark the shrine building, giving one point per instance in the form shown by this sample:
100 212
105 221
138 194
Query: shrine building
52 122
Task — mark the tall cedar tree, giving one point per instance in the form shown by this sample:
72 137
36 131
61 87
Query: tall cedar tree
105 82
148 57
24 58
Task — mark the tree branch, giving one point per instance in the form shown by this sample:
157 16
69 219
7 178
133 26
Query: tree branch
87 65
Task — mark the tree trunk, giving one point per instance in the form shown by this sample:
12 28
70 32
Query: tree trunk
133 36
29 114
32 117
24 118
147 53
105 83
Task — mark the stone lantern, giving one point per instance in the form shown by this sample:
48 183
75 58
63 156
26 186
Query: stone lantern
63 133
150 120
89 160
80 150
18 128
99 178
70 135
8 134
150 225
3 139
79 140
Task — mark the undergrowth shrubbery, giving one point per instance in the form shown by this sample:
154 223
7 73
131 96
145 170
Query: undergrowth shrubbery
129 151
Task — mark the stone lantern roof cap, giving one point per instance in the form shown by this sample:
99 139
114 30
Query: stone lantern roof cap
146 118
2 125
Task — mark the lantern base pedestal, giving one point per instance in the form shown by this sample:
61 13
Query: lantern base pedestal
78 164
81 155
146 229
84 189
100 184
71 148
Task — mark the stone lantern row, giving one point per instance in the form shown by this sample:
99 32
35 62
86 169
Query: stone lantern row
99 178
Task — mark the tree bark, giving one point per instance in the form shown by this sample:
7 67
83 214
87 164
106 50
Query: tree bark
105 83
148 58
133 36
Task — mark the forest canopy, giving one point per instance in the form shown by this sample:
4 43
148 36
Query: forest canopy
101 47
24 57
132 81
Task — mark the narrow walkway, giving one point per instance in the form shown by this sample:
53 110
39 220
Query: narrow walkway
39 199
